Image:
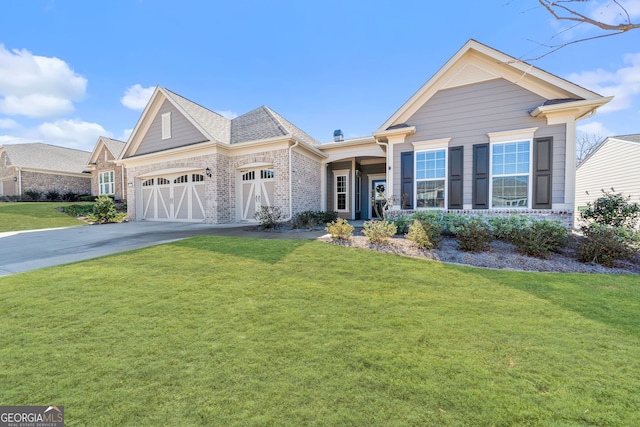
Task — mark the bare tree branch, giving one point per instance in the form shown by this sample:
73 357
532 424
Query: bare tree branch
585 145
573 15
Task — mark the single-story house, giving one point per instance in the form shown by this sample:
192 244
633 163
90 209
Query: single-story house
614 164
107 177
486 134
43 167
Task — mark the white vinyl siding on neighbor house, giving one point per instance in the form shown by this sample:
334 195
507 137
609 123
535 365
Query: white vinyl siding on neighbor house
106 183
510 174
431 181
341 190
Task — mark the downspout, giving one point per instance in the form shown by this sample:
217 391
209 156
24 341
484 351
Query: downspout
122 187
291 180
20 182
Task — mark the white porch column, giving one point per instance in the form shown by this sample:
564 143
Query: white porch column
323 186
570 163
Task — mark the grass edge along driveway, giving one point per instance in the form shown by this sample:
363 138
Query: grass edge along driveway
34 216
226 331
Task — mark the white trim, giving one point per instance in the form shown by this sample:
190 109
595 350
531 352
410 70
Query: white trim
166 125
336 174
173 171
254 165
512 135
529 174
111 182
432 144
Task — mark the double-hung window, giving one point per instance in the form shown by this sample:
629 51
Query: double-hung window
431 182
106 183
510 174
341 189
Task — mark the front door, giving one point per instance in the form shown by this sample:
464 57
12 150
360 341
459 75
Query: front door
257 189
378 192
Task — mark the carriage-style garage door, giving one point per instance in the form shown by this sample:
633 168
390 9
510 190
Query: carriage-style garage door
257 188
173 198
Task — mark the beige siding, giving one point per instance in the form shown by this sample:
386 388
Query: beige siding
615 165
183 132
466 114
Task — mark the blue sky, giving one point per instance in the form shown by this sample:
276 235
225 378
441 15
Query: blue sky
73 70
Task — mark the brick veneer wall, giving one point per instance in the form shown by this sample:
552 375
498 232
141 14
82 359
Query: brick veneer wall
44 182
306 183
103 165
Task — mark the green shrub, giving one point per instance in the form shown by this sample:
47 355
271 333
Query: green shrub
70 196
86 198
52 195
104 211
507 228
540 238
418 235
313 218
78 210
269 216
379 231
604 245
340 229
33 195
403 222
613 209
474 235
451 222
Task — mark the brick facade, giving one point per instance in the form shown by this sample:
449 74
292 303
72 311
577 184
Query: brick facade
104 163
44 182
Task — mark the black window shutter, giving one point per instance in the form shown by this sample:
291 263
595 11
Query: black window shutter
480 185
406 179
456 159
542 171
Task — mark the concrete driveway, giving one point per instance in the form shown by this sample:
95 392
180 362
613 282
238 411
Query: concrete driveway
31 250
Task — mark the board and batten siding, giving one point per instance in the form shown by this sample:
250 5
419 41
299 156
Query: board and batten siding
183 132
467 113
613 165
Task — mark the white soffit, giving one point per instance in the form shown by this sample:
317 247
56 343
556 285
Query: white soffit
469 74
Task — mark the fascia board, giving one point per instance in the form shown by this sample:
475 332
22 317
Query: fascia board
96 150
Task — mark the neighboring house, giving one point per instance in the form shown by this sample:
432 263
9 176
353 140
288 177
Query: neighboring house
42 167
107 177
613 164
486 134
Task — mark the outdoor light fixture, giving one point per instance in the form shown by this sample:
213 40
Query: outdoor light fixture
15 179
208 172
130 184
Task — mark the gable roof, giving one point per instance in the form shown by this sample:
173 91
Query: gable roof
258 124
476 62
45 157
114 146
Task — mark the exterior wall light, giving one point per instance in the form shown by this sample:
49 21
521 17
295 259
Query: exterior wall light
207 171
130 184
15 179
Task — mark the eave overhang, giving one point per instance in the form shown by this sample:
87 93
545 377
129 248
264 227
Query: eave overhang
578 109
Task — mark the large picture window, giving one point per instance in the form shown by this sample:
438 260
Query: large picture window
431 172
106 183
510 169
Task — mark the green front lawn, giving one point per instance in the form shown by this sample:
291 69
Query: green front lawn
225 331
34 216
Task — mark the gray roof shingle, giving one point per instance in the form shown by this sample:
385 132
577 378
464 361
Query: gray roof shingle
114 145
47 157
632 138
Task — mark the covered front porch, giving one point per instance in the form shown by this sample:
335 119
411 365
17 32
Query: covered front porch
354 177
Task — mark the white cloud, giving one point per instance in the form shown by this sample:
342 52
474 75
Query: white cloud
72 133
228 114
8 139
8 124
125 135
37 86
623 83
136 97
594 128
611 13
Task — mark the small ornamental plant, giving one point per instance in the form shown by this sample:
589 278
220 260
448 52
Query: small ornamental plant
379 232
418 235
104 211
340 229
474 235
269 216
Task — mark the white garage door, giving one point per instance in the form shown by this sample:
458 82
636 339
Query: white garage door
173 198
257 189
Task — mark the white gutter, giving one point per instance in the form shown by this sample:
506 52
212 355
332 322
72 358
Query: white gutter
291 180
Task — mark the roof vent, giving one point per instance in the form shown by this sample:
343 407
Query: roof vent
337 135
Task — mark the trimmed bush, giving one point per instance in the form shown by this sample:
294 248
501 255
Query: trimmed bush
269 216
613 209
78 210
33 195
474 235
540 238
605 245
340 229
313 218
418 235
104 211
52 195
70 196
507 228
379 232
